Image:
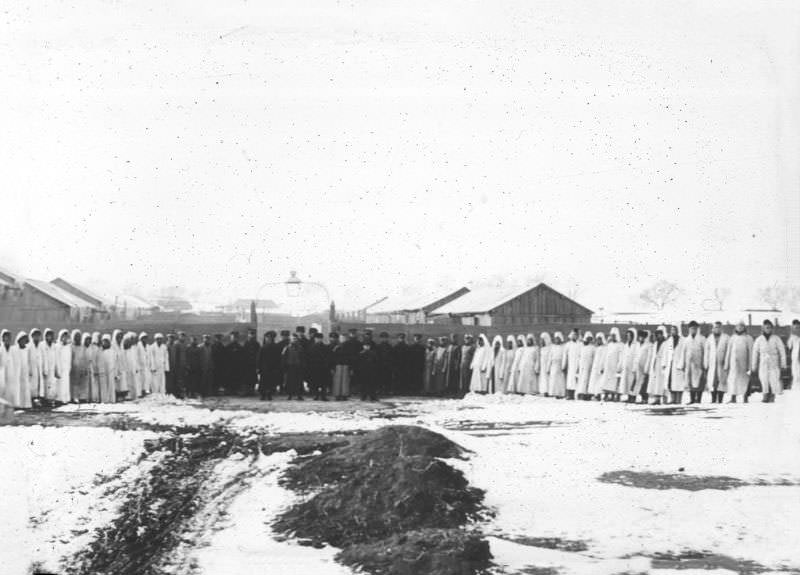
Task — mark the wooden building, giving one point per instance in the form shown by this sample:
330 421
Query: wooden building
504 307
411 309
39 303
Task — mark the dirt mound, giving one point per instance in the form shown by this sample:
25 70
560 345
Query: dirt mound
431 551
381 495
653 480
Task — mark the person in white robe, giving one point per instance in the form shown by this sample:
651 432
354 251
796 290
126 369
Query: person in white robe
596 379
714 363
48 348
502 366
479 382
572 350
514 378
543 372
737 363
35 351
159 364
641 360
794 353
497 348
132 365
585 361
21 361
659 370
675 364
627 376
695 345
557 381
527 367
106 371
63 367
93 359
7 383
769 358
143 362
613 366
117 344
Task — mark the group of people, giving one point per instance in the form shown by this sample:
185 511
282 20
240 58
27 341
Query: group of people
662 367
45 368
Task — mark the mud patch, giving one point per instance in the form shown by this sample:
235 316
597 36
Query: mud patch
707 560
477 426
570 545
652 480
676 410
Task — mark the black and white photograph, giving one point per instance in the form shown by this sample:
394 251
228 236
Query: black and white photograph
349 287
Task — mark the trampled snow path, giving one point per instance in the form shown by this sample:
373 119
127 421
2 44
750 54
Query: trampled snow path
538 459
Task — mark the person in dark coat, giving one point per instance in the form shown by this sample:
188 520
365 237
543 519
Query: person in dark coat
465 369
170 375
416 364
220 360
235 361
317 368
368 371
384 353
283 343
453 365
294 365
352 347
302 338
194 368
270 371
400 367
251 349
206 367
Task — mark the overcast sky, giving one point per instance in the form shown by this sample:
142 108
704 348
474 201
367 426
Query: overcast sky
375 145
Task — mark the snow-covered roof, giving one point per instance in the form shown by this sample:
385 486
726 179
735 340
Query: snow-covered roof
413 302
59 294
90 295
133 301
484 300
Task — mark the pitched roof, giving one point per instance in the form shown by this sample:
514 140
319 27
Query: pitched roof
9 278
59 294
83 293
415 302
484 300
135 302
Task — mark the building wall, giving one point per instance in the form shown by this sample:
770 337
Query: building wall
540 305
33 308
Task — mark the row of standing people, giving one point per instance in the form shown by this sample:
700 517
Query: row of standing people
42 368
661 366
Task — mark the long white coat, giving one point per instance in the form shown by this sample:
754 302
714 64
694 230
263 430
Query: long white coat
674 363
694 348
585 361
22 376
7 383
36 366
737 363
514 383
556 381
481 366
63 366
49 360
627 377
527 368
714 362
794 359
572 351
641 360
159 365
659 372
598 365
769 358
612 367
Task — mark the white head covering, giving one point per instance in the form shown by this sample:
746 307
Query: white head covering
484 339
142 334
96 337
600 337
546 337
86 337
513 340
521 340
662 329
587 335
497 340
559 335
3 332
20 335
158 336
106 337
530 337
48 330
62 333
615 332
72 335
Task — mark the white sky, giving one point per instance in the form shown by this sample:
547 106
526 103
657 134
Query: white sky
373 145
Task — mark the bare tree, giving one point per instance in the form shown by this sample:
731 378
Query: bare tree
773 296
717 300
660 294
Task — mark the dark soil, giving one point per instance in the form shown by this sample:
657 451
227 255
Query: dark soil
470 426
708 560
652 480
390 504
440 551
154 515
571 545
676 410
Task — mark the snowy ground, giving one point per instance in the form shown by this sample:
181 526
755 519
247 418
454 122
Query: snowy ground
538 460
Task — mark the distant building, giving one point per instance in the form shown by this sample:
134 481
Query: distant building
84 293
505 307
40 302
133 307
411 309
241 308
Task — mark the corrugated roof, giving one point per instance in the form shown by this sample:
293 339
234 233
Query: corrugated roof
59 294
412 302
